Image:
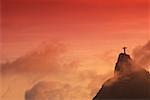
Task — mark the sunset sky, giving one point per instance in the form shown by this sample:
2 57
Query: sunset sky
92 32
85 24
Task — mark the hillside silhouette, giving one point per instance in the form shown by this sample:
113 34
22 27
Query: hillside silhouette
129 82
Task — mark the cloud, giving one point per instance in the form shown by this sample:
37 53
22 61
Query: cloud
47 62
46 90
96 82
83 85
60 78
48 58
46 73
141 55
50 90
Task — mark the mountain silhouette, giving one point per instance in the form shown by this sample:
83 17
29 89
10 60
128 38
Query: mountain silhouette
129 82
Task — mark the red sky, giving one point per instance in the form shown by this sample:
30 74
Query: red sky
25 23
92 32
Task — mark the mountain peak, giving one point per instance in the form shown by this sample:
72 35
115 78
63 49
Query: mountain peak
127 82
124 64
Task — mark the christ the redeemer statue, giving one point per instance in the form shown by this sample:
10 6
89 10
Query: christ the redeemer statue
124 49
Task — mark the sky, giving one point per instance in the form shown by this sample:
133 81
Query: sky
80 35
27 23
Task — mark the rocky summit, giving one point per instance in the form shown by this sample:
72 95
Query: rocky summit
130 82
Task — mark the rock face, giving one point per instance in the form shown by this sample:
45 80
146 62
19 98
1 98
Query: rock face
127 83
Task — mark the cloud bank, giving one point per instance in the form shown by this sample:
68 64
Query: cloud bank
141 55
47 73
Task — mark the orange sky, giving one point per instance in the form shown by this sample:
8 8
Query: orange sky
28 22
91 31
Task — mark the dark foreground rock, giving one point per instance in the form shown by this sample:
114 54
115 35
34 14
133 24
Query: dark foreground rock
127 84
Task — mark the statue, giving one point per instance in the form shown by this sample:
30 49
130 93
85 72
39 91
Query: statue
124 48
